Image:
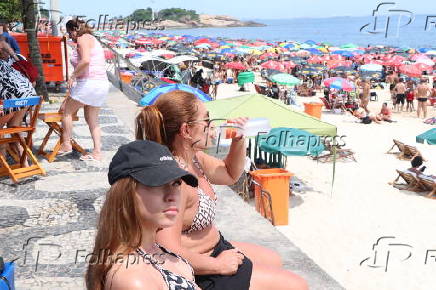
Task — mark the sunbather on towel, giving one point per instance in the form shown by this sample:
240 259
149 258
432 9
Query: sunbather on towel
365 118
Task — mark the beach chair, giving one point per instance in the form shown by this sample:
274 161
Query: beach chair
17 168
400 146
327 104
342 154
410 152
53 121
429 184
412 183
373 96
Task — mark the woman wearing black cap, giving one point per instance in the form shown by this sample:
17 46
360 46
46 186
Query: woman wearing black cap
181 122
144 197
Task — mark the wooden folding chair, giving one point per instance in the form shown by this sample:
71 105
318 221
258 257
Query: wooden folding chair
412 183
428 184
400 146
410 152
53 121
19 168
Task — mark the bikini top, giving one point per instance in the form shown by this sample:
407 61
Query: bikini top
206 207
173 281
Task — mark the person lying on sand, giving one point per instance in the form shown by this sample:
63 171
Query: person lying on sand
365 118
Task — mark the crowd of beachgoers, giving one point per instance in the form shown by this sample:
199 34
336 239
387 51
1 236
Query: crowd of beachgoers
345 73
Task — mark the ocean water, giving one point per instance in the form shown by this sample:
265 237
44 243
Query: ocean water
335 30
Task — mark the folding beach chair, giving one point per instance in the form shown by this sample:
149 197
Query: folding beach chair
429 184
412 183
410 152
53 121
327 104
401 148
373 96
18 168
342 154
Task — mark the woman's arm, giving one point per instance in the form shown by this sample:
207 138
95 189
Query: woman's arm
171 238
227 171
84 46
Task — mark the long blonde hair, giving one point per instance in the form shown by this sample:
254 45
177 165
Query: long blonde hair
119 230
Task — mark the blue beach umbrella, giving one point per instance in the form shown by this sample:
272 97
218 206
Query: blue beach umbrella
151 97
314 51
310 42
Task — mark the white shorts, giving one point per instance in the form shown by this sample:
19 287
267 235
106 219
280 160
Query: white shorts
90 92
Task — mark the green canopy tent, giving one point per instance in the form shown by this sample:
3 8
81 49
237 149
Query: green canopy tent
279 114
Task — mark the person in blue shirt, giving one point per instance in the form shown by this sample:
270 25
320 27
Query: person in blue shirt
9 39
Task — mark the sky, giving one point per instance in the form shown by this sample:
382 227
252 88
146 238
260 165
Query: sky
243 9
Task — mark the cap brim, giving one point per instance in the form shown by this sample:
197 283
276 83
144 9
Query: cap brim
164 175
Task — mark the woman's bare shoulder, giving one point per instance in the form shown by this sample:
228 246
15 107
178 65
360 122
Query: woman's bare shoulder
133 276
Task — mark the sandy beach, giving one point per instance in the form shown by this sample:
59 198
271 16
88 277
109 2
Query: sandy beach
338 228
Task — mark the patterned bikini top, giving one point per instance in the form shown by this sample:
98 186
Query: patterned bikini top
206 207
173 281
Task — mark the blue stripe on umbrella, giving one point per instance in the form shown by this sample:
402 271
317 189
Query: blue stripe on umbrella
151 97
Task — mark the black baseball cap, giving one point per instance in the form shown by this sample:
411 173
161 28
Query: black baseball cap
149 163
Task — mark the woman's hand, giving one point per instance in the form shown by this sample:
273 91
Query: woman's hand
71 81
239 122
228 261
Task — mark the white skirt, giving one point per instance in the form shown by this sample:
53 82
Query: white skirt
90 92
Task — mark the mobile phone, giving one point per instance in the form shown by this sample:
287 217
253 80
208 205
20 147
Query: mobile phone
423 168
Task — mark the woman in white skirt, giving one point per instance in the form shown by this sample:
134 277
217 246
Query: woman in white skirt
88 87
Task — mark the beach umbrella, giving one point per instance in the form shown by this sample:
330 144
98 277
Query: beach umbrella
285 79
303 53
291 142
203 45
273 65
429 135
268 55
343 69
235 65
411 71
425 61
310 42
342 85
313 51
245 77
371 67
349 45
328 81
151 97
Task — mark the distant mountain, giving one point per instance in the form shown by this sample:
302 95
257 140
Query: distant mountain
206 20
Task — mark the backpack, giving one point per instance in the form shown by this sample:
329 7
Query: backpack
27 69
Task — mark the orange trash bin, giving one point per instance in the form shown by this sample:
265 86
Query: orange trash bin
126 77
276 182
313 109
